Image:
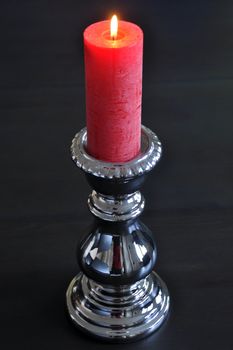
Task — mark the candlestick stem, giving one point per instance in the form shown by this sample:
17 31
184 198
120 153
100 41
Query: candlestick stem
117 296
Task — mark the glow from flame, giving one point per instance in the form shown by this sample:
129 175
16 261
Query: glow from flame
114 27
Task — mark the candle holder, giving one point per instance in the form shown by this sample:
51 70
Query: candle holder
117 296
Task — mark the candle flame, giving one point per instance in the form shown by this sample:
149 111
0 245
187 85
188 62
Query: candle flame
114 27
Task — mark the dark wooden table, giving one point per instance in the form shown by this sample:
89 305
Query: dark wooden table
188 101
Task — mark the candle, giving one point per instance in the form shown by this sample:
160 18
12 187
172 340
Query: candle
113 74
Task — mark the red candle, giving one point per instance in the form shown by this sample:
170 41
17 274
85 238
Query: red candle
113 73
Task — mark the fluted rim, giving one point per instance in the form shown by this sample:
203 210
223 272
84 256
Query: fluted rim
151 150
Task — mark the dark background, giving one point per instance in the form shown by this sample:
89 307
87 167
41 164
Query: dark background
187 100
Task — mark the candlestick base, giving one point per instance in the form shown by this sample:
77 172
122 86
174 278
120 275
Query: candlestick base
117 296
118 313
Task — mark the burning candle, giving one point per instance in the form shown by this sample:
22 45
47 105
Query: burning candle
113 74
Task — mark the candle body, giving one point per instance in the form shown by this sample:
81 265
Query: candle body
113 74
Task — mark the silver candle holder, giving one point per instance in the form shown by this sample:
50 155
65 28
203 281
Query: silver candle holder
117 296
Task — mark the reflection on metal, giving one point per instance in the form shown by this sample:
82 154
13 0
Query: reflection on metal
150 154
116 209
118 313
129 255
117 296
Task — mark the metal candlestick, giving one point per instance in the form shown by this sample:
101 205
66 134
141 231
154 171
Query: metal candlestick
117 296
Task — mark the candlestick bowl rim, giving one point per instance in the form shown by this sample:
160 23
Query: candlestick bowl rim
149 156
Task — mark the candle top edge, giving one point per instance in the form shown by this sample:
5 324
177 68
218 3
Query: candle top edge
98 34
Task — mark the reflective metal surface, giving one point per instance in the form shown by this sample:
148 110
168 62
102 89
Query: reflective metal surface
117 296
118 313
150 154
117 254
118 208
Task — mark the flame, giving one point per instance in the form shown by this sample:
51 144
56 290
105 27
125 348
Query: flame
114 27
